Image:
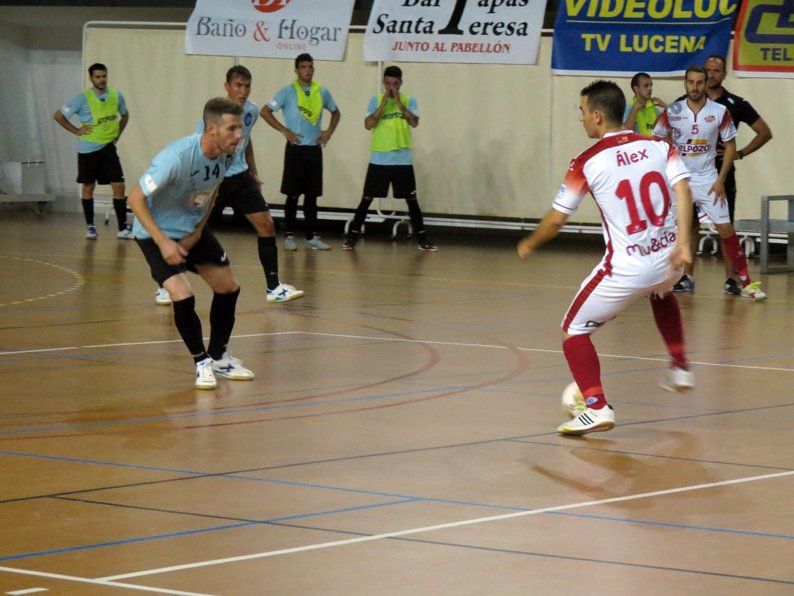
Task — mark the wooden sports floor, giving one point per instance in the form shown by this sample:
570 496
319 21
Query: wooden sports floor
399 436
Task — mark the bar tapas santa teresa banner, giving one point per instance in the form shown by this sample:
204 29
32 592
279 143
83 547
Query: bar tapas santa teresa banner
473 31
622 37
269 28
763 41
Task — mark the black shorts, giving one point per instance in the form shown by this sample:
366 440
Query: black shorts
241 193
303 170
102 167
207 251
401 179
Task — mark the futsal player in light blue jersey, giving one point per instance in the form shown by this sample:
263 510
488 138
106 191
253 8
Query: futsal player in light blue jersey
241 190
172 203
103 116
303 102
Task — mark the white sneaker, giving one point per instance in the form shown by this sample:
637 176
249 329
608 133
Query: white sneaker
317 244
589 421
205 378
125 234
283 293
754 291
677 380
162 297
232 368
289 243
90 233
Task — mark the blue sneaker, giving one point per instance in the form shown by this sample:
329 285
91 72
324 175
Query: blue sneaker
90 233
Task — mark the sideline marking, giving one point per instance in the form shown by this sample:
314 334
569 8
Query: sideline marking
466 522
393 339
100 582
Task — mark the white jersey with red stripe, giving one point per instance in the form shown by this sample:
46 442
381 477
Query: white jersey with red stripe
695 135
630 177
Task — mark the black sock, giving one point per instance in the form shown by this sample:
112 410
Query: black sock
361 215
415 213
291 214
189 327
88 211
221 322
310 215
268 256
120 207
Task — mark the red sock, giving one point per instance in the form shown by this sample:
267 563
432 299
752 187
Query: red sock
733 249
585 368
668 321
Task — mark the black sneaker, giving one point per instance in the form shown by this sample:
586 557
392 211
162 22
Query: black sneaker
686 284
350 241
424 244
732 287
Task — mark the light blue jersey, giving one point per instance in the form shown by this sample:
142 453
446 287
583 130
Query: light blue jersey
399 157
178 186
79 106
286 99
250 115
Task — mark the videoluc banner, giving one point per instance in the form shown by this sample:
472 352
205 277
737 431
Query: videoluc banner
621 37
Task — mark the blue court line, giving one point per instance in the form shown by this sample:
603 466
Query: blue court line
69 549
154 537
198 475
403 498
676 526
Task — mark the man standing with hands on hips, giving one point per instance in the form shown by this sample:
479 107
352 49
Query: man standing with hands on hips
103 116
303 103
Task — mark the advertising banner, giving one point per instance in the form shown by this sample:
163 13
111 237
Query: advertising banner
763 42
622 37
269 28
474 31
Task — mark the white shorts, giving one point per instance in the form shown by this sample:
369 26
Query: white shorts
706 209
602 297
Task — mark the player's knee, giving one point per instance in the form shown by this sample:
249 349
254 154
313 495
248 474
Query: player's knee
725 230
265 227
366 199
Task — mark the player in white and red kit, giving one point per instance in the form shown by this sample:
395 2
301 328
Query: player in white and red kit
631 178
695 124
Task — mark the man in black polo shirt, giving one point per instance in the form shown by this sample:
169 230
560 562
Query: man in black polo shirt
740 111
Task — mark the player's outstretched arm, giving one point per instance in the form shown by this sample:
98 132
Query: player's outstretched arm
548 228
682 252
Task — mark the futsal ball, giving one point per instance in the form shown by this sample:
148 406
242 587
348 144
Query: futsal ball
572 401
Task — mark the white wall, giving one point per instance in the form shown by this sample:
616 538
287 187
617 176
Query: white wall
493 140
14 92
